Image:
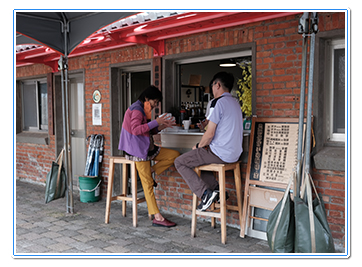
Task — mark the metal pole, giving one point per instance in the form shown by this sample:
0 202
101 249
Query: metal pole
70 203
303 28
66 124
62 66
310 93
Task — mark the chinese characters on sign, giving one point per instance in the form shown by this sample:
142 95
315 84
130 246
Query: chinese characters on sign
258 150
279 151
97 114
275 152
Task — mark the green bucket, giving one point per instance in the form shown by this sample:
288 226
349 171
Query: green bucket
89 188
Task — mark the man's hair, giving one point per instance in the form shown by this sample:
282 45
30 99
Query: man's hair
151 92
225 78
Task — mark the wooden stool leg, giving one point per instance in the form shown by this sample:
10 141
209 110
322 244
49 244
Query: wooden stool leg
237 178
134 194
109 190
193 219
245 210
194 206
222 205
212 207
124 187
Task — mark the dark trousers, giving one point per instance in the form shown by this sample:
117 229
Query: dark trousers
186 163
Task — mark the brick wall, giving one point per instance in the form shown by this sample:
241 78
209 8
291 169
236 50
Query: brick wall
331 184
278 74
33 161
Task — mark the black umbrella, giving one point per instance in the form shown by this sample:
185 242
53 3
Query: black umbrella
63 32
49 28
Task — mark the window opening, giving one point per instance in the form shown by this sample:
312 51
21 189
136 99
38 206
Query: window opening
337 91
35 105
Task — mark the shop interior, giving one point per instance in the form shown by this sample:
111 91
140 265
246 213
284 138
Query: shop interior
194 85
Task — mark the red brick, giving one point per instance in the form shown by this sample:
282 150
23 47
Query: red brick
337 179
283 78
324 184
278 99
268 113
279 58
268 60
337 207
338 200
279 113
282 106
281 92
336 193
263 80
279 72
338 186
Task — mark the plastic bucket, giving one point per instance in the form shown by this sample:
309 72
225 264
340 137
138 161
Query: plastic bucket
89 188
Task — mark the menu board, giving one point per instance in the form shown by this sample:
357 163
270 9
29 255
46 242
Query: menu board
274 153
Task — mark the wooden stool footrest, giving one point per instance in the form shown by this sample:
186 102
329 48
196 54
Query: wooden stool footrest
129 198
228 207
209 213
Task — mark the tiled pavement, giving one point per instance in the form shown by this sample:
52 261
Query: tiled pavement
46 229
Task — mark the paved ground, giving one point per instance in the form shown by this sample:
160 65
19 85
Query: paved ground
46 229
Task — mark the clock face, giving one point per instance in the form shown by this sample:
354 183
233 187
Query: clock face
96 96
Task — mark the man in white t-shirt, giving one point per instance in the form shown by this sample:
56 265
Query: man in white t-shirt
221 143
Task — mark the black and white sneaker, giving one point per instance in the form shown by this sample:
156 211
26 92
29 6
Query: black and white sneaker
218 196
207 199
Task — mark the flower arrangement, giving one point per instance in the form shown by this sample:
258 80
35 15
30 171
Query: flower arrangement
244 91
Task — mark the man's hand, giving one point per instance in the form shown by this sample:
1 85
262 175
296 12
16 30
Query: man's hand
202 124
208 135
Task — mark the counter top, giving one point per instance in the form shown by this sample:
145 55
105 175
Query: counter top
177 137
181 131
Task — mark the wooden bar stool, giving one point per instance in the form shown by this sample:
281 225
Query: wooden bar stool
135 200
221 212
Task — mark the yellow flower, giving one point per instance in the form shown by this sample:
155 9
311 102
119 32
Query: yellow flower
244 93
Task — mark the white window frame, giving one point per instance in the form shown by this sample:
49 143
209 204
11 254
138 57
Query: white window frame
39 127
333 137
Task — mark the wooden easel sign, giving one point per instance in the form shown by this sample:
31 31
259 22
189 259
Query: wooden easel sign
272 160
274 151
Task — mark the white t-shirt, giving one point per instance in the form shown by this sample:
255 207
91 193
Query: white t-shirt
227 143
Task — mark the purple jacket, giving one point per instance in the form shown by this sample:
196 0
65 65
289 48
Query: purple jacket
135 133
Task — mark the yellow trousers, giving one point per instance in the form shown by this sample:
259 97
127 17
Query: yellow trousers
164 160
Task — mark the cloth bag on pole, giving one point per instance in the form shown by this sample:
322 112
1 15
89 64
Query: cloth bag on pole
312 233
281 224
56 180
